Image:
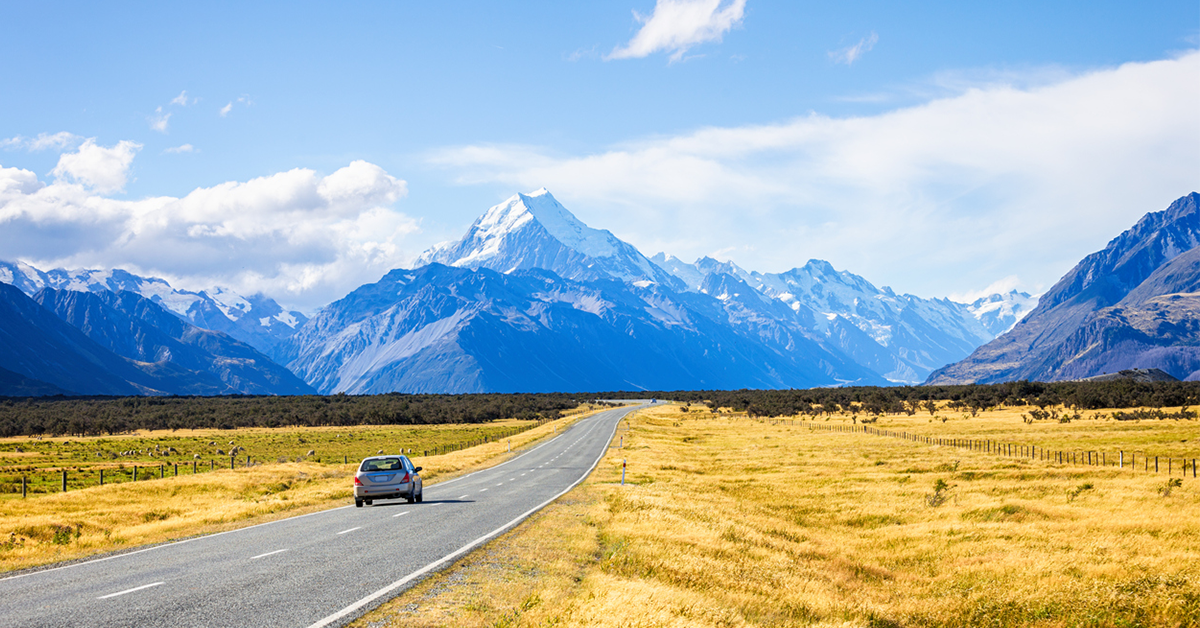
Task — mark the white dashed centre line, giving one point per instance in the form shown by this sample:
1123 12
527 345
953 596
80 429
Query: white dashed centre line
482 490
464 497
144 586
350 530
401 514
267 554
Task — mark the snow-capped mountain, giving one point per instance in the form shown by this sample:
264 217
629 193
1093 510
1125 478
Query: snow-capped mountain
531 298
900 336
257 320
998 313
457 330
535 231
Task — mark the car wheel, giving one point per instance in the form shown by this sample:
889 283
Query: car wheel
412 496
421 496
358 503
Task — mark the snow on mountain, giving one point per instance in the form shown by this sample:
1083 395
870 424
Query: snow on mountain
454 330
1000 312
257 320
910 336
535 231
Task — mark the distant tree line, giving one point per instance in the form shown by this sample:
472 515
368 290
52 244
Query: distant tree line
874 400
86 416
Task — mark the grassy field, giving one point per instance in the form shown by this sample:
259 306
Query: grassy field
156 453
728 521
55 526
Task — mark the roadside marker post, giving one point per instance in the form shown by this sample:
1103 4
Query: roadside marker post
622 472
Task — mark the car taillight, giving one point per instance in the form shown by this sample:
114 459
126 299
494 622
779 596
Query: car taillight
357 482
405 478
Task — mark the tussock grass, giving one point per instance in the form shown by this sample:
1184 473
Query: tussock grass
726 521
79 523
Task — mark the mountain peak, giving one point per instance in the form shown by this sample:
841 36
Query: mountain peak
535 231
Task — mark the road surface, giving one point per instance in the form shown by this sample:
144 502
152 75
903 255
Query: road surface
321 569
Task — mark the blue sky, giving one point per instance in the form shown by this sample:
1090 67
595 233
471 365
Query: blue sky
302 149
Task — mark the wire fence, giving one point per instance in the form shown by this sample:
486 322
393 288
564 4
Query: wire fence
77 477
1121 459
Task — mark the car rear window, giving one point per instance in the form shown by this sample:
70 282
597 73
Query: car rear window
384 464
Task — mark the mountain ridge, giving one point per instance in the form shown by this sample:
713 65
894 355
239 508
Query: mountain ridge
1075 313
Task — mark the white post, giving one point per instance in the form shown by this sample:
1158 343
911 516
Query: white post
510 444
1122 466
622 472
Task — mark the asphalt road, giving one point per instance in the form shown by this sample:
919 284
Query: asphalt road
321 569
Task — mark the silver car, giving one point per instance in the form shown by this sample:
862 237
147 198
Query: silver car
387 477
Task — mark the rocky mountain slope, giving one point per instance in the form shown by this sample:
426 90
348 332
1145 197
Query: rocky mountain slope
533 299
136 328
901 337
445 329
37 345
1130 305
257 320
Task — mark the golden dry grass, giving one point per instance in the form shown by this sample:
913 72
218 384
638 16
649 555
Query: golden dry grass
79 523
727 521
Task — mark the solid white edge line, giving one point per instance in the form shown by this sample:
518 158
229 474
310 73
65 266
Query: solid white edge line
144 586
464 549
267 523
267 554
350 530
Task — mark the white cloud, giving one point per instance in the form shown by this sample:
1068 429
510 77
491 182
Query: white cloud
851 54
183 148
159 120
102 169
182 99
303 238
1000 286
937 198
44 141
678 25
226 109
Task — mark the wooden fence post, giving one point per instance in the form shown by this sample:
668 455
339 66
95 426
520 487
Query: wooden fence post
64 481
135 473
23 487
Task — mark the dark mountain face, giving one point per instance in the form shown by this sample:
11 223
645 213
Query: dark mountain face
443 329
36 344
1084 322
139 329
17 385
256 320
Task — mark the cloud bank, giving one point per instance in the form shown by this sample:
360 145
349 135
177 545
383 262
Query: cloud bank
300 237
678 25
994 181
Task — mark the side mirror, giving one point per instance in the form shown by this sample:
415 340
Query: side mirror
417 470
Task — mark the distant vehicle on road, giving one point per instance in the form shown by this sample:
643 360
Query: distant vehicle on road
387 477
